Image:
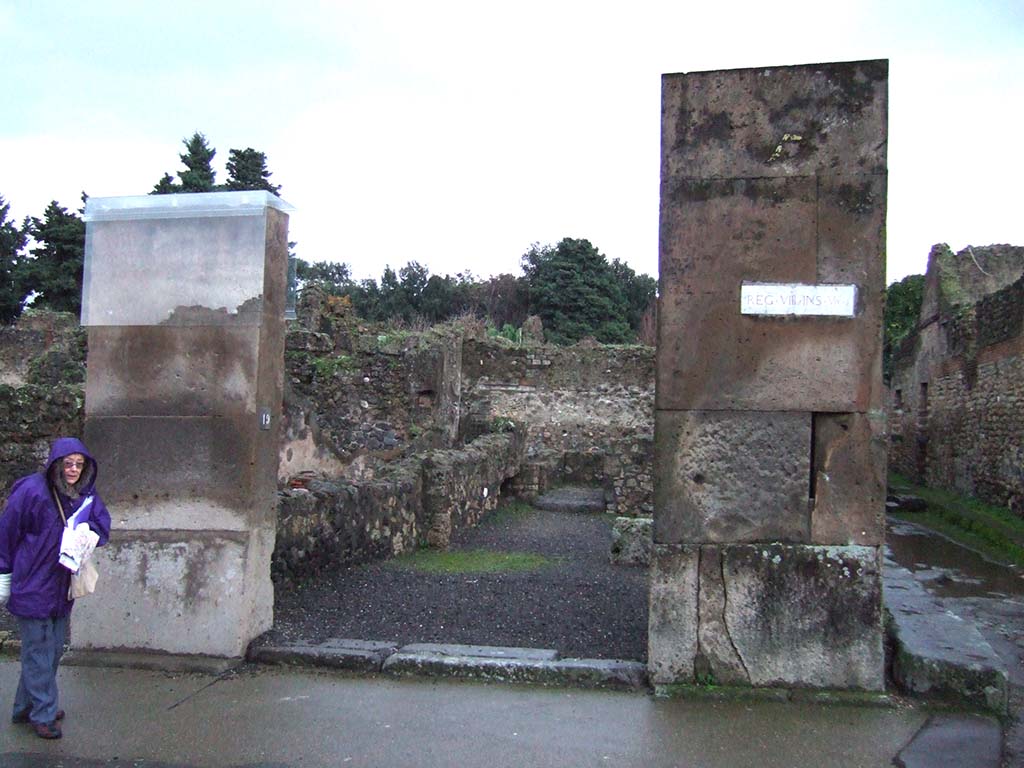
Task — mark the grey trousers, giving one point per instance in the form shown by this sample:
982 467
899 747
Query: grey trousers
42 645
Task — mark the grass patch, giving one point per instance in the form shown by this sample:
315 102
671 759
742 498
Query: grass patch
993 531
469 561
507 511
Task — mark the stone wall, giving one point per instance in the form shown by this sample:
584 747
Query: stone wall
413 502
369 413
769 449
357 397
956 408
42 392
588 411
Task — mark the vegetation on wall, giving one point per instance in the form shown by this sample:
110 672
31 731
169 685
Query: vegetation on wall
902 308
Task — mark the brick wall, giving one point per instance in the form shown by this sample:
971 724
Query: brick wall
956 411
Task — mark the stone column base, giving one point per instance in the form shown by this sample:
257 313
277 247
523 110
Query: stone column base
772 615
204 592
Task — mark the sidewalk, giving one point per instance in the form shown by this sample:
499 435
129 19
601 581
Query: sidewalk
273 717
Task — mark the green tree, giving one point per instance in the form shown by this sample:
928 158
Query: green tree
53 270
902 311
12 240
503 299
332 276
639 291
443 298
198 175
166 186
575 292
247 169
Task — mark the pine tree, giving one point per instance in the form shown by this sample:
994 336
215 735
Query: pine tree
12 240
247 169
166 186
199 174
54 268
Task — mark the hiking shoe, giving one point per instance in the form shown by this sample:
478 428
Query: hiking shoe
22 717
47 730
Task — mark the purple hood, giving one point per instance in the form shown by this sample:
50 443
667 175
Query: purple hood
30 533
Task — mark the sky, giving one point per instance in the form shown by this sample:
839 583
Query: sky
456 134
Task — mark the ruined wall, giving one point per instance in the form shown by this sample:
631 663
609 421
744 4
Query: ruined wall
588 413
368 413
358 397
42 375
956 408
417 501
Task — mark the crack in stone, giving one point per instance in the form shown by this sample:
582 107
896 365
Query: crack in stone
725 625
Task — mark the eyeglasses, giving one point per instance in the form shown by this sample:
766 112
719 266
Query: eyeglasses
72 464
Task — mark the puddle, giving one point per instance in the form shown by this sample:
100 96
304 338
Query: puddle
946 568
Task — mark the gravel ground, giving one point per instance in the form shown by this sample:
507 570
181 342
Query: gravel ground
580 605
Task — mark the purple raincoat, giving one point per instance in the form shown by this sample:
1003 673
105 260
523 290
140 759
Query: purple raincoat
30 533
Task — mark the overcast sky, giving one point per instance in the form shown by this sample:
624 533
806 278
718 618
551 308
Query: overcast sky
458 133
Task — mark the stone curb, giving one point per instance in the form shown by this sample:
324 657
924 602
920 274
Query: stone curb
520 665
365 656
823 697
936 654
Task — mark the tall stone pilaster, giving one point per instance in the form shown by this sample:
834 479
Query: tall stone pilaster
184 301
769 452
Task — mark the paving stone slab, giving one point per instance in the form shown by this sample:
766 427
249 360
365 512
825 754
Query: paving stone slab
593 673
954 741
937 653
356 656
482 651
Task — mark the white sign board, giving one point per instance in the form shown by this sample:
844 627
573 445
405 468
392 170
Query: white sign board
798 299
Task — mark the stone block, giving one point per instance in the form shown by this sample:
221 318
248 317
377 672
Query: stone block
588 673
197 261
776 121
367 656
938 654
771 175
205 592
167 371
482 651
718 234
672 627
632 539
731 477
805 616
849 479
212 458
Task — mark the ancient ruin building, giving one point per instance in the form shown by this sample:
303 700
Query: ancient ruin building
956 404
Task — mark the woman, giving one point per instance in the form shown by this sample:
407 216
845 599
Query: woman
32 581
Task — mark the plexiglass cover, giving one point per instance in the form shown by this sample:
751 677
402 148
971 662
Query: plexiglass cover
190 259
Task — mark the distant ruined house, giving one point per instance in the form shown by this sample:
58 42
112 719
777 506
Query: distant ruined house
956 408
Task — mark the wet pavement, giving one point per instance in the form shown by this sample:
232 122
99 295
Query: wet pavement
270 717
267 717
988 595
